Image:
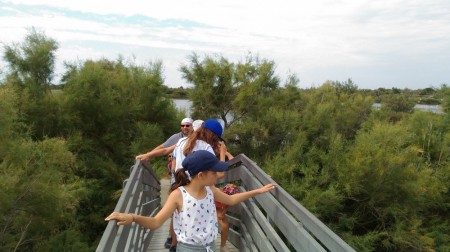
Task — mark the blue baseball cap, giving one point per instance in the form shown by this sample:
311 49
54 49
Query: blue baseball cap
203 160
214 126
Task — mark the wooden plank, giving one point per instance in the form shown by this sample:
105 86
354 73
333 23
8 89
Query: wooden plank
250 246
160 235
291 229
265 224
153 204
327 237
254 230
159 238
151 194
148 178
303 241
234 238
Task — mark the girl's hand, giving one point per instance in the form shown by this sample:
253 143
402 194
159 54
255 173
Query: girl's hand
122 219
266 188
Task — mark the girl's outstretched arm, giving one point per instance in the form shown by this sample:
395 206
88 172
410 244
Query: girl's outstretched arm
239 197
156 153
150 222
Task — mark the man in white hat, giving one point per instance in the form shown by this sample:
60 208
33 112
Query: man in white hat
186 129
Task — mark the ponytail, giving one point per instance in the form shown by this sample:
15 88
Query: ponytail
181 179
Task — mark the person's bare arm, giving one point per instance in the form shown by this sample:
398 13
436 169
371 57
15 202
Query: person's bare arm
223 153
156 153
169 207
229 155
239 197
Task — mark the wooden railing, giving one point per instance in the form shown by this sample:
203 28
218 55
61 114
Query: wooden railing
272 221
141 195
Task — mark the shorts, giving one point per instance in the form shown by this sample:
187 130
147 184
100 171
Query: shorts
185 247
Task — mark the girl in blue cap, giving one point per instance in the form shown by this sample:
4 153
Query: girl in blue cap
192 203
207 137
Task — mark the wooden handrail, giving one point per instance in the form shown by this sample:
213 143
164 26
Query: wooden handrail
272 221
141 195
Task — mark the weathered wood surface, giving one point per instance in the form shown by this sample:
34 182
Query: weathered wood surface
273 221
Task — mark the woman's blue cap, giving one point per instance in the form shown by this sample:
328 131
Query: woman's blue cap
203 160
214 126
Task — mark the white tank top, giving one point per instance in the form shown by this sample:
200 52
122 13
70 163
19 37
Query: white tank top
197 222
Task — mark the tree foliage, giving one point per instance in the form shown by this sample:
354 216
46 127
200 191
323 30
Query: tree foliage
32 62
38 192
228 91
31 67
212 78
378 178
64 155
131 114
381 162
8 118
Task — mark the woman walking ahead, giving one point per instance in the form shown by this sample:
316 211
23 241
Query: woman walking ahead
192 203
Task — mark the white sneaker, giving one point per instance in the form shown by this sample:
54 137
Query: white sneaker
224 249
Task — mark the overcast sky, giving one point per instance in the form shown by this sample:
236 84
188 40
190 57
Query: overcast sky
376 43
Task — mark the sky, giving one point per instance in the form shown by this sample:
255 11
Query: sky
376 44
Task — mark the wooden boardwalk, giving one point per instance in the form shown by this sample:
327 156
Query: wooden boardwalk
272 221
161 234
